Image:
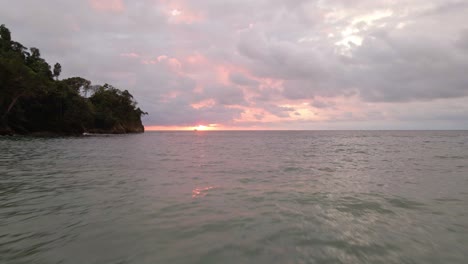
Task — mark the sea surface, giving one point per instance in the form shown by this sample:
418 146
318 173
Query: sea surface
236 197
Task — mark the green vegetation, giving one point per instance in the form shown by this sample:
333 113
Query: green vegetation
34 100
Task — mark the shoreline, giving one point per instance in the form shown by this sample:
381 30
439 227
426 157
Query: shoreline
48 134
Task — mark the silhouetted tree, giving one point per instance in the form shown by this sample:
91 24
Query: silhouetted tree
31 100
57 70
35 53
5 33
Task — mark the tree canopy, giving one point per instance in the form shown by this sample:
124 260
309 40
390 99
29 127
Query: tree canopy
31 100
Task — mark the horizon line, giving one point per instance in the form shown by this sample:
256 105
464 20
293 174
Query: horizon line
250 130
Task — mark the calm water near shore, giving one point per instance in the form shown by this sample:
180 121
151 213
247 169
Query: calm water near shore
236 197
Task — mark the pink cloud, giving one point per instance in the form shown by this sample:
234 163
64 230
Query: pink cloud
161 58
169 96
180 12
184 17
204 104
222 74
107 5
130 55
196 59
172 63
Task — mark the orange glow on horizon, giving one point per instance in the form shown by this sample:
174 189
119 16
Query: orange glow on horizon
210 127
201 128
218 128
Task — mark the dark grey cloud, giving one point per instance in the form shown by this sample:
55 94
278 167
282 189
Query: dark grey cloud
462 41
321 104
391 67
283 59
242 80
278 111
224 95
396 62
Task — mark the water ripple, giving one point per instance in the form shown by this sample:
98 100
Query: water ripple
236 197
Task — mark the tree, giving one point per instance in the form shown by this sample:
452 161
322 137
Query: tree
5 33
19 49
5 38
35 53
32 99
57 70
39 65
78 84
115 109
17 81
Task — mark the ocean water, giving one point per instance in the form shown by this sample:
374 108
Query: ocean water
236 197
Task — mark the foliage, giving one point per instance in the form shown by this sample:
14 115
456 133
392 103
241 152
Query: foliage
57 70
32 101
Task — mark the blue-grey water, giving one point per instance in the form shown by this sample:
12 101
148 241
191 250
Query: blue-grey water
236 197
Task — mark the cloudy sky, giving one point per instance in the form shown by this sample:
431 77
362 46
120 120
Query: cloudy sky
264 64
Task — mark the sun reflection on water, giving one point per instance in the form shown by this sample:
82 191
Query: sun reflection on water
201 192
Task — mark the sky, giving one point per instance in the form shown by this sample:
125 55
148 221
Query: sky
258 64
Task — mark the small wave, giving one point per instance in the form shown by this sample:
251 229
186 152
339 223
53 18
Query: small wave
292 169
405 203
326 169
447 200
452 157
358 250
358 207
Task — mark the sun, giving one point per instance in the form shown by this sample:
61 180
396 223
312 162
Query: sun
204 128
200 128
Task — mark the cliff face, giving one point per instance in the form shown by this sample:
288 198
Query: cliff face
135 129
120 129
5 131
134 126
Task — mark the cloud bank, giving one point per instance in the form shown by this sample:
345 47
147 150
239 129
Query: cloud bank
277 64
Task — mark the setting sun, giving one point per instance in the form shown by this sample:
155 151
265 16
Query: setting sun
203 128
